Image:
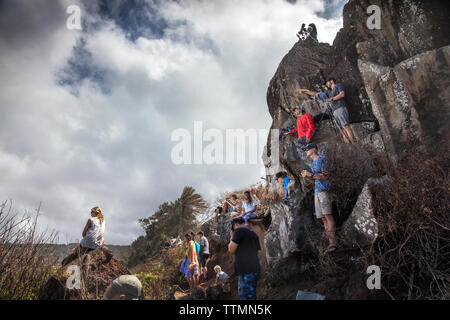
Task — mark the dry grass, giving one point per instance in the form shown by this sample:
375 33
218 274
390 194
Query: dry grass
25 260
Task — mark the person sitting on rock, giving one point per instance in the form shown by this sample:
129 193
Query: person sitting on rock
322 192
301 35
283 179
125 287
230 204
218 212
336 96
223 278
249 207
305 126
94 230
312 31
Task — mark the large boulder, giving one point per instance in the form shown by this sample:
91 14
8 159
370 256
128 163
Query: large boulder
362 227
411 99
98 268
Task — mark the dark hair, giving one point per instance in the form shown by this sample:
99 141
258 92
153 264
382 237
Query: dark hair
250 200
201 233
237 220
192 234
188 236
281 174
220 209
234 196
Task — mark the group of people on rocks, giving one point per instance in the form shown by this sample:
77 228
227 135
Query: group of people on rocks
320 173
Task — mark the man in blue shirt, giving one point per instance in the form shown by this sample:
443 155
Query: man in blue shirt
284 179
322 196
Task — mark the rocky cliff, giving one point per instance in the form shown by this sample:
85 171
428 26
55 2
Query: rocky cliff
396 81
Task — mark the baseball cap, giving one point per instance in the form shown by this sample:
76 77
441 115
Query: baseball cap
329 79
310 146
128 285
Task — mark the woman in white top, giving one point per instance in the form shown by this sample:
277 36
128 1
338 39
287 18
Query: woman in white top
94 230
249 207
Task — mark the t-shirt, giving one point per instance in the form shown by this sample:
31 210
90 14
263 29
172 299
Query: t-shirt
204 245
286 181
94 234
246 257
319 166
222 275
197 247
248 207
333 93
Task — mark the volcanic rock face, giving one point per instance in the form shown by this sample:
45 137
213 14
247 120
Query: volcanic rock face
98 268
396 82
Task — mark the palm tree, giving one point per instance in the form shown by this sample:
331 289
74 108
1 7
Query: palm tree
189 204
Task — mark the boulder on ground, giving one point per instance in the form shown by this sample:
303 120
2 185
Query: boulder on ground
362 227
97 269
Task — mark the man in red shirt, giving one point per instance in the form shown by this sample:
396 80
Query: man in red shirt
305 126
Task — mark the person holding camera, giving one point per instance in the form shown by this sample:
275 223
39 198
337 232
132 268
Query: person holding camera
244 244
336 98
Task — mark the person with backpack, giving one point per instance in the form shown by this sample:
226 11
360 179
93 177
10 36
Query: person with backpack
305 126
322 192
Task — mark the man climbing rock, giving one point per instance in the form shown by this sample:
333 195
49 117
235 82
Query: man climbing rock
305 126
322 192
244 244
336 96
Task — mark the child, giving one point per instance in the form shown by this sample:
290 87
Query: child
223 277
284 179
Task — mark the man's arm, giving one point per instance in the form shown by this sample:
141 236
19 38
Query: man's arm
308 92
340 96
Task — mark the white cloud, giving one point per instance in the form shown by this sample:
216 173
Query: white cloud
113 149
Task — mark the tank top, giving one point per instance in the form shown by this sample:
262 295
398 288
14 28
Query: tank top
94 235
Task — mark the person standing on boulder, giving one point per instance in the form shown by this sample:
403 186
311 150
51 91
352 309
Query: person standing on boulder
192 265
322 196
204 253
336 96
305 126
244 244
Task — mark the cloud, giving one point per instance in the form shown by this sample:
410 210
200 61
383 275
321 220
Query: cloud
87 116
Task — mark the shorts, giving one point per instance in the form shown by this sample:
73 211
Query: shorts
249 216
203 258
322 204
247 286
341 117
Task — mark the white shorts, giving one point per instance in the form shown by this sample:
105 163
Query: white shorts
322 204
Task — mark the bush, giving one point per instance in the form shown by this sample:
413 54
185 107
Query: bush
413 249
26 261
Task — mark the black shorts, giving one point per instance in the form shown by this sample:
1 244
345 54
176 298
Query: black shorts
203 258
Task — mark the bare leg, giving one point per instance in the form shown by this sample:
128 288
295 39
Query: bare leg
331 229
349 133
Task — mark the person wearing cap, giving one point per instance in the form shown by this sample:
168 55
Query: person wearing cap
322 192
244 244
305 126
336 97
126 287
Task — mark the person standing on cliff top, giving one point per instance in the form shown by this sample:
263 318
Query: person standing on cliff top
305 126
336 96
322 194
244 244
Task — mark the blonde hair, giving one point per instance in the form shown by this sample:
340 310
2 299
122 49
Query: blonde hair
98 214
217 269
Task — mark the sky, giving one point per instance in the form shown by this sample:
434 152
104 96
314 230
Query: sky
87 116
